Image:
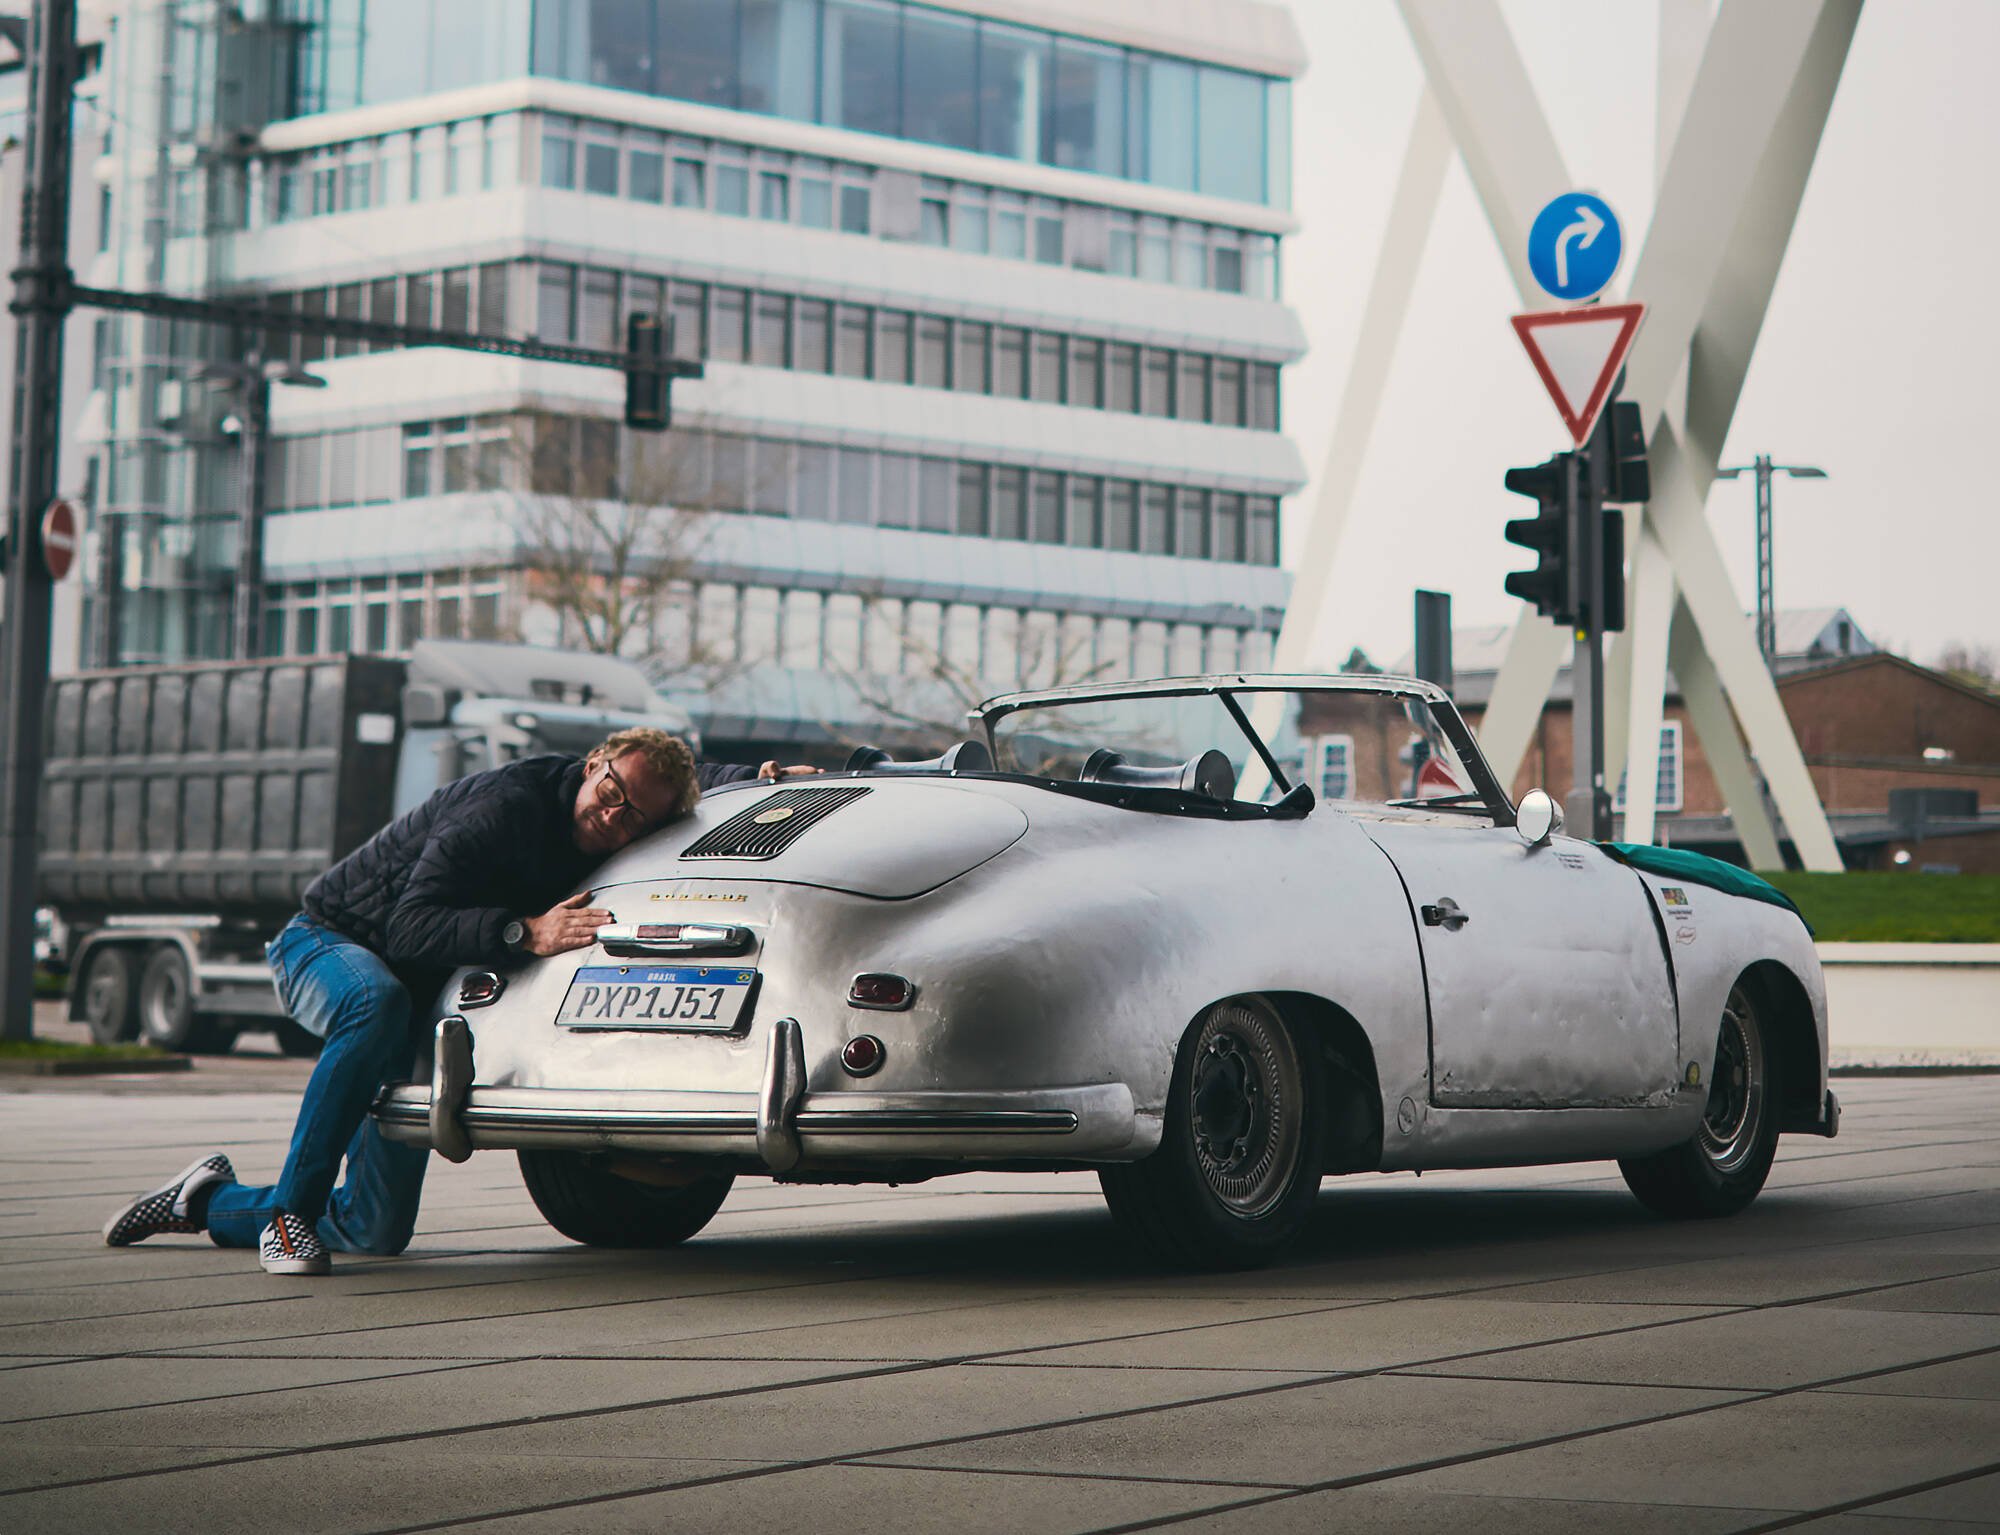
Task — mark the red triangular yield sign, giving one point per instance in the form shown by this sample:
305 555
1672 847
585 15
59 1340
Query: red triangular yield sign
1578 352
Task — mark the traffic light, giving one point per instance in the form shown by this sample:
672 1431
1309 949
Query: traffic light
1611 546
1630 479
1547 586
648 401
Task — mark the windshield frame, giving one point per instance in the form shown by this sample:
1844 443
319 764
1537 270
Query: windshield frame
1230 687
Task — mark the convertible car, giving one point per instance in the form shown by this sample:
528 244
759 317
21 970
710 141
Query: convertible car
1113 930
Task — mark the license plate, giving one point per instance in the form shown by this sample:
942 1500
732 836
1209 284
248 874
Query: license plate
703 999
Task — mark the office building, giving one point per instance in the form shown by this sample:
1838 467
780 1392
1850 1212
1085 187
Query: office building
987 296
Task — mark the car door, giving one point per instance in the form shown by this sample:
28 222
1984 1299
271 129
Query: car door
1548 982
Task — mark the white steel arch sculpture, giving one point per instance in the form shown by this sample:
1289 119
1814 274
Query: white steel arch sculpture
1756 105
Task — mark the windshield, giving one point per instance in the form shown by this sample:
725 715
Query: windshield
1360 747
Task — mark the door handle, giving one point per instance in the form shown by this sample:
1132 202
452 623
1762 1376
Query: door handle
1446 914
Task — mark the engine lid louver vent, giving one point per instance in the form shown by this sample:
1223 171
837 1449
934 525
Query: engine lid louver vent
774 823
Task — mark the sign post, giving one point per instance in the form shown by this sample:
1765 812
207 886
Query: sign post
1574 248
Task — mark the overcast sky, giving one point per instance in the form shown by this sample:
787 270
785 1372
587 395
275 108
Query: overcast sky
1875 361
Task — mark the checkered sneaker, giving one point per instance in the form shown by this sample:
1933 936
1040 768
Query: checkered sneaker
166 1208
291 1246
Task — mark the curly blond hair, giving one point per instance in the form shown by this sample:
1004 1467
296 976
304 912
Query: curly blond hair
669 757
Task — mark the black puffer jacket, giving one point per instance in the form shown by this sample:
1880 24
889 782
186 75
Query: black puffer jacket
435 888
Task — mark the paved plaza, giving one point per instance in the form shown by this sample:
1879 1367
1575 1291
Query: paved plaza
1495 1352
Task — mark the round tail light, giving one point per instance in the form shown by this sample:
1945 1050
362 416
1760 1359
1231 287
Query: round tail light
862 1055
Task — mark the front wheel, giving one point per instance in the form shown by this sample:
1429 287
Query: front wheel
1722 1167
1239 1161
587 1202
109 1006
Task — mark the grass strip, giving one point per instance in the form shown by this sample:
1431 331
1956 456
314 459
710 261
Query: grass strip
1887 907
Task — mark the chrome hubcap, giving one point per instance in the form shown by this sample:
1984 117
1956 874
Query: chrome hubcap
1245 1102
1735 1112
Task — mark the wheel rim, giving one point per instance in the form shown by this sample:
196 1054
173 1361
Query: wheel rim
165 1005
1731 1123
103 996
1245 1101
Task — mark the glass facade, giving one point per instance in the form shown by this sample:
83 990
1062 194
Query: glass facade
610 159
736 624
886 344
698 469
875 66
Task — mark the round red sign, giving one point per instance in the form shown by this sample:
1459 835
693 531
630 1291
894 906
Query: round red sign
59 539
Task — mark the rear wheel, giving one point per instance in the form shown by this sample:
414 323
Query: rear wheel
1239 1161
1722 1167
167 1017
587 1202
109 1004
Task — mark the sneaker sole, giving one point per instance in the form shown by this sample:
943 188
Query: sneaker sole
124 1212
297 1266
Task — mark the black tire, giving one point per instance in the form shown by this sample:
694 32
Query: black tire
297 1041
110 995
587 1202
1238 1166
167 1018
1722 1167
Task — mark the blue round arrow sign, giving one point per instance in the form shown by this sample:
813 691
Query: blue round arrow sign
1574 245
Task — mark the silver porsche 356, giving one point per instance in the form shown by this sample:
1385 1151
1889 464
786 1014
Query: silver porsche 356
1112 931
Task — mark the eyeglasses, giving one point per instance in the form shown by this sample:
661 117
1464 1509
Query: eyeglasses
613 795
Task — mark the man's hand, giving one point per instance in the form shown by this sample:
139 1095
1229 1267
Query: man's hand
572 925
773 771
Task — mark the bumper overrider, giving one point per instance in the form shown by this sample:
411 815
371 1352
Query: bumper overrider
781 1125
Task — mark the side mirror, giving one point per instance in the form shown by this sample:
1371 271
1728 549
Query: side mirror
1538 818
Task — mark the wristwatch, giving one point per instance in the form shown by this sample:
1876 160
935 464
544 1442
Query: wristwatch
515 936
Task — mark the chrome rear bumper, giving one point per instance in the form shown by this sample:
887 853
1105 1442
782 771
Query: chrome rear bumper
1065 1123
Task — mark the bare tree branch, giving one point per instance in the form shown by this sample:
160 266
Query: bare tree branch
612 528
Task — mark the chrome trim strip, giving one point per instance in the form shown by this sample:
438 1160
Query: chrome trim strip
936 1121
715 938
732 1122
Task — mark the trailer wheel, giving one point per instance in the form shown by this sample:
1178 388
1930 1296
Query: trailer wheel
166 1007
107 995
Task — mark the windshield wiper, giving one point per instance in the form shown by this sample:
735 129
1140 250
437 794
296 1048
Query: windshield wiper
1441 802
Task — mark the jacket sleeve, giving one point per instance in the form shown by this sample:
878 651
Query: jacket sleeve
443 917
711 775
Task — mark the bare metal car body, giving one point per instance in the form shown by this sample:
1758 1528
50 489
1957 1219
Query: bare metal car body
1479 997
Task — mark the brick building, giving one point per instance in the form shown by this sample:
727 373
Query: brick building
1906 759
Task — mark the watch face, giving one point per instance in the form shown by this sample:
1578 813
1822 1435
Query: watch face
513 933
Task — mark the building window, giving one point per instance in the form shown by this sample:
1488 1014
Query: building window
558 157
892 346
1333 767
1668 779
970 374
852 324
600 169
1045 372
690 184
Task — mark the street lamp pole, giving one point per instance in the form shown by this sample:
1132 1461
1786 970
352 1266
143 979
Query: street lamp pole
1767 610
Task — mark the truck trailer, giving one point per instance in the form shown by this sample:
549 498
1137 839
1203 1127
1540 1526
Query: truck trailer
186 808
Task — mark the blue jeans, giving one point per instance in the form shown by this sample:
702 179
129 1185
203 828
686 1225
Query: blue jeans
345 994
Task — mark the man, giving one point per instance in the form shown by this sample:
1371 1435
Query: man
477 874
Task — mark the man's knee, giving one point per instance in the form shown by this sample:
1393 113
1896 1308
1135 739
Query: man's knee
376 1007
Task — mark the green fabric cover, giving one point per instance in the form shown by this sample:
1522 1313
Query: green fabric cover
1700 869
